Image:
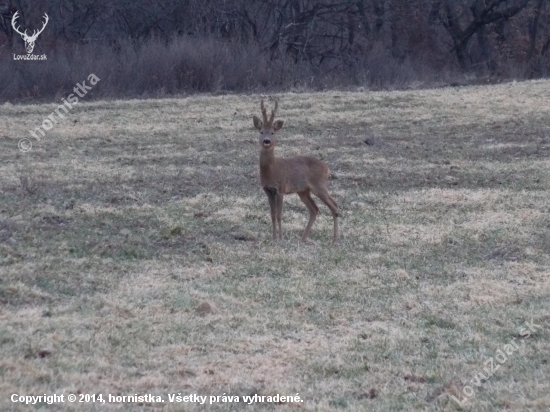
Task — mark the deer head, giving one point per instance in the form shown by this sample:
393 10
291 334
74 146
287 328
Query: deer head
29 40
267 127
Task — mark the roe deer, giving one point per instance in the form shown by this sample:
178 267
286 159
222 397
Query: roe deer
301 174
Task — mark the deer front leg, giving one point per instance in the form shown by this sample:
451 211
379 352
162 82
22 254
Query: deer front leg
271 196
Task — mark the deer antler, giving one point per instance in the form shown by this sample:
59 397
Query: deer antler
37 32
14 18
264 113
274 111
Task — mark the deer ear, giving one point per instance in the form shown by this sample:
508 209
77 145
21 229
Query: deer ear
278 125
257 123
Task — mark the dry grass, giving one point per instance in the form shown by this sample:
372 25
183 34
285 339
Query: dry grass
444 255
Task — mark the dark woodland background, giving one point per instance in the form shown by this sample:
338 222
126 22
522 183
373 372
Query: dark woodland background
142 48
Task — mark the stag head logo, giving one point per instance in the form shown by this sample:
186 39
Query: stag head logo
29 40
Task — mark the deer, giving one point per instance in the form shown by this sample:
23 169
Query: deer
303 175
29 40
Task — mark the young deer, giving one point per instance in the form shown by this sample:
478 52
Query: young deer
301 174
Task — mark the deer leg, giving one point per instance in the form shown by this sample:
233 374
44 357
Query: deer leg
332 205
271 194
305 196
279 200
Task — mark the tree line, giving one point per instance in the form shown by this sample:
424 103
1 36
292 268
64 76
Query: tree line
174 46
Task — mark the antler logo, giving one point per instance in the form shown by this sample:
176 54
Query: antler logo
29 40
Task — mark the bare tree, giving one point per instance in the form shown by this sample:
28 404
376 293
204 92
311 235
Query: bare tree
7 11
483 13
533 32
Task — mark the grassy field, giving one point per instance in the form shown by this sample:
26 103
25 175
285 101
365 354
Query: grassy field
128 214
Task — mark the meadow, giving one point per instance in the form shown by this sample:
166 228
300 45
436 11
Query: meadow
127 215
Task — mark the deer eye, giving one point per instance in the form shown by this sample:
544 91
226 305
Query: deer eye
262 132
272 132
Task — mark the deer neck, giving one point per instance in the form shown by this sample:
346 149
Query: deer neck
267 161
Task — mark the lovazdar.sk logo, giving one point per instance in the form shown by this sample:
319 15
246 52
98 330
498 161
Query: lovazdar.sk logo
30 40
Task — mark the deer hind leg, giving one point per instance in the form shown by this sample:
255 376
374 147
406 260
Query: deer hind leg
279 212
305 196
271 196
332 205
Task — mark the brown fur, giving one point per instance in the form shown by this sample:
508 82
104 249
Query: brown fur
303 175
